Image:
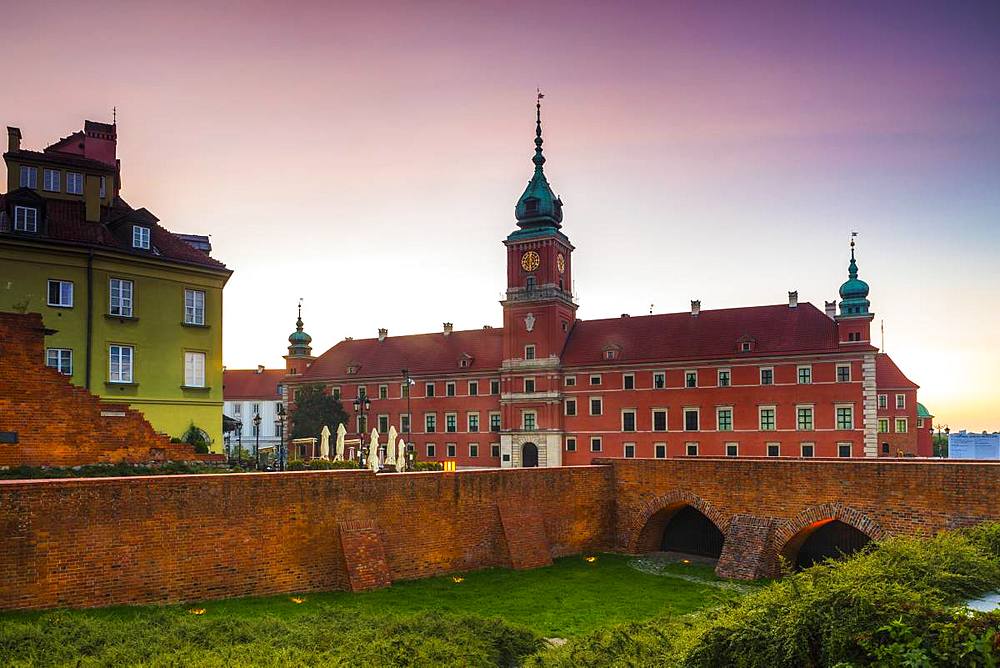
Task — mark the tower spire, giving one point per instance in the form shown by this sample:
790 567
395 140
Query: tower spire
539 159
854 291
538 206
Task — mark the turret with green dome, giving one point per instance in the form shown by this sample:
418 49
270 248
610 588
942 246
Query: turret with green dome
854 292
538 206
298 340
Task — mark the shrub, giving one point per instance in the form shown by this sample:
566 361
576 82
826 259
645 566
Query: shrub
319 465
428 466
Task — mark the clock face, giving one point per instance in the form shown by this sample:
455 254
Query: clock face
530 261
561 263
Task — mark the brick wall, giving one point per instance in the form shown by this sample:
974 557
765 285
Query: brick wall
92 542
59 424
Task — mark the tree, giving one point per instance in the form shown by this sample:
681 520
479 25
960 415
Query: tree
313 409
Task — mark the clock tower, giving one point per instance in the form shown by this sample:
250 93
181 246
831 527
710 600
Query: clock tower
538 314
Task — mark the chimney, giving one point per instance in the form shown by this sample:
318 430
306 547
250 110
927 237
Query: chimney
625 315
260 368
447 328
13 139
382 333
695 306
831 309
793 298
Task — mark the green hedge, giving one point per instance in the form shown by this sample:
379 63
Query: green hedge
113 470
899 604
319 465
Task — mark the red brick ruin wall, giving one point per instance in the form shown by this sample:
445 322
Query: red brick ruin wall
59 424
95 542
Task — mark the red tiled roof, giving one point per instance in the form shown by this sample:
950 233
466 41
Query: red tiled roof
418 353
889 377
65 221
711 334
246 384
61 158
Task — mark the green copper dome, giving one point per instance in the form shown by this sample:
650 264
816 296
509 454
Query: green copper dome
538 205
854 291
298 340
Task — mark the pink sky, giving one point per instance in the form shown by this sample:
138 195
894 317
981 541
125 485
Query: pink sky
367 156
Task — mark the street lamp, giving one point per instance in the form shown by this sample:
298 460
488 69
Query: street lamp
409 418
361 406
279 430
239 442
256 446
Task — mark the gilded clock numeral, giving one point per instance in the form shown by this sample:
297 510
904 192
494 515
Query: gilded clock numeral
530 261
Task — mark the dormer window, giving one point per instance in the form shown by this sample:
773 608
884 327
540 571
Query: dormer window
140 237
104 187
25 219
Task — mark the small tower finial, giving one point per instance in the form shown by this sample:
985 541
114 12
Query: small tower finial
539 159
114 115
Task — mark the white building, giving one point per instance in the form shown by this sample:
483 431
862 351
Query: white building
250 392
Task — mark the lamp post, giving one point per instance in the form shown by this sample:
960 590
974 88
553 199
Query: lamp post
947 430
239 442
256 445
361 406
409 419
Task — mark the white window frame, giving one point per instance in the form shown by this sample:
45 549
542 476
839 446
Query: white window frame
194 368
772 444
798 374
140 237
534 420
597 377
656 450
600 444
731 444
65 293
121 365
687 376
762 370
494 383
570 444
635 421
728 376
23 222
849 373
383 417
684 414
900 402
590 406
760 418
624 383
103 192
451 389
529 351
431 450
526 381
662 377
60 359
850 449
454 419
472 423
125 291
688 449
625 448
51 180
429 390
566 405
883 402
499 422
194 307
812 450
884 422
28 177
570 381
906 425
812 417
74 183
433 418
836 416
383 391
666 419
473 388
718 415
473 450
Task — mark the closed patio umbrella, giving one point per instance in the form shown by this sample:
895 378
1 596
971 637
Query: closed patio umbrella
341 435
324 443
390 451
373 461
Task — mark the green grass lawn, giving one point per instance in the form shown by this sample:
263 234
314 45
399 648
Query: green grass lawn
569 598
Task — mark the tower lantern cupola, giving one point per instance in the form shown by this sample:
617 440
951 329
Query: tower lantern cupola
854 292
298 340
538 206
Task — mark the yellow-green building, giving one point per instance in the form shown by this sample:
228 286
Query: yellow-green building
133 311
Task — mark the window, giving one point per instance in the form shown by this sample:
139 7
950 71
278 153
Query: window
362 391
25 219
120 358
659 380
843 373
473 449
51 180
451 422
845 417
494 387
530 283
429 389
473 420
900 425
121 297
900 401
843 449
74 183
335 391
805 418
529 352
451 450
194 307
767 376
528 420
529 385
767 417
431 451
805 374
383 424
570 381
773 449
60 359
920 423
628 381
595 443
883 401
628 419
724 419
473 388
691 449
194 369
404 423
404 390
732 449
60 293
104 187
725 377
29 177
596 406
383 391
570 407
746 346
690 379
495 450
660 450
595 379
140 237
494 422
629 450
659 419
883 425
690 419
430 422
449 389
808 449
570 444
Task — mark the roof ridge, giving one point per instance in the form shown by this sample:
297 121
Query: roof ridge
701 312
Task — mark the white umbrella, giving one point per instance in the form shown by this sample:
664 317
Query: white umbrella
324 443
373 451
390 452
341 435
401 457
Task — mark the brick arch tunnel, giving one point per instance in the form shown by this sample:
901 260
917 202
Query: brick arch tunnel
679 522
828 531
